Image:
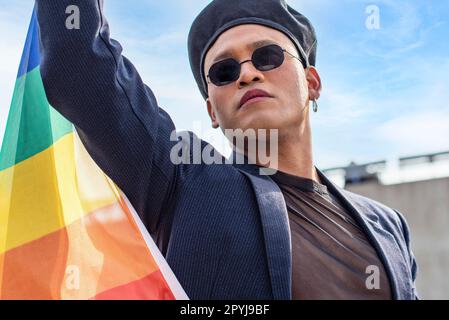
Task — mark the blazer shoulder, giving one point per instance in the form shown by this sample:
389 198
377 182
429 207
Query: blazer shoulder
376 211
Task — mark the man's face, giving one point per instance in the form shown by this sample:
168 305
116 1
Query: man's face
287 84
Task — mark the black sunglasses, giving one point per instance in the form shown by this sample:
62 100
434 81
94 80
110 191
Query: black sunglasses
264 59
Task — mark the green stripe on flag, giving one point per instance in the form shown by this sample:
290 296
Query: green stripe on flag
33 125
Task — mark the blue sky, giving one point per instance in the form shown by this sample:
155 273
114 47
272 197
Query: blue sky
385 91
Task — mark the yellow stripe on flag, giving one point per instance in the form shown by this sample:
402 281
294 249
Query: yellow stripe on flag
48 191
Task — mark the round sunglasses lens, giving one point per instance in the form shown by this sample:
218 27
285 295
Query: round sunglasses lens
268 58
224 72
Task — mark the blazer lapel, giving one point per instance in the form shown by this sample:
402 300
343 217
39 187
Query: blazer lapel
276 230
383 241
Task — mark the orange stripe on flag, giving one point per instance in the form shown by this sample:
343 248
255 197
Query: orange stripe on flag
99 252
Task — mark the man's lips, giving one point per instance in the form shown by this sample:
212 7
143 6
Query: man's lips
253 96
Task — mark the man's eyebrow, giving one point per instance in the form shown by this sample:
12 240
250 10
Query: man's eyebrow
252 46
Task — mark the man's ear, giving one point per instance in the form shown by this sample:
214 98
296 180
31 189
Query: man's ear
313 82
210 110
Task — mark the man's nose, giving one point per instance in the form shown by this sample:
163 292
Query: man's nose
249 73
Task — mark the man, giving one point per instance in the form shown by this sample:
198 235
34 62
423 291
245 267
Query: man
228 231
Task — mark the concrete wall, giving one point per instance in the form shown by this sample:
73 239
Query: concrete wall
425 205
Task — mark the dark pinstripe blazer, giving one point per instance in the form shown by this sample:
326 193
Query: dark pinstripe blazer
223 229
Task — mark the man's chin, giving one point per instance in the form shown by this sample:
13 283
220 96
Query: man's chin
259 124
256 117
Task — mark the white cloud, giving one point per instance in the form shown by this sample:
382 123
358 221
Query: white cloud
422 126
421 132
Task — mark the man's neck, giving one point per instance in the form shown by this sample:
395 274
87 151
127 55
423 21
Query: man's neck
295 155
297 162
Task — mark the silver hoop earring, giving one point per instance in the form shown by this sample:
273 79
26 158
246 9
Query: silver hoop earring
315 105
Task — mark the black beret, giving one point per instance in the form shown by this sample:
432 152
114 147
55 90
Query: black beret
221 15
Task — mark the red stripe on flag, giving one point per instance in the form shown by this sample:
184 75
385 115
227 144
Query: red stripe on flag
151 287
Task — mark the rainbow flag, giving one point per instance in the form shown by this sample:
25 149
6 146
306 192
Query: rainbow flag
66 230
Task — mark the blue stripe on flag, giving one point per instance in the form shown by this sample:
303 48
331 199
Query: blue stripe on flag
30 55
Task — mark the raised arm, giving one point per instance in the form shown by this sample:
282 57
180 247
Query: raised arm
117 117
